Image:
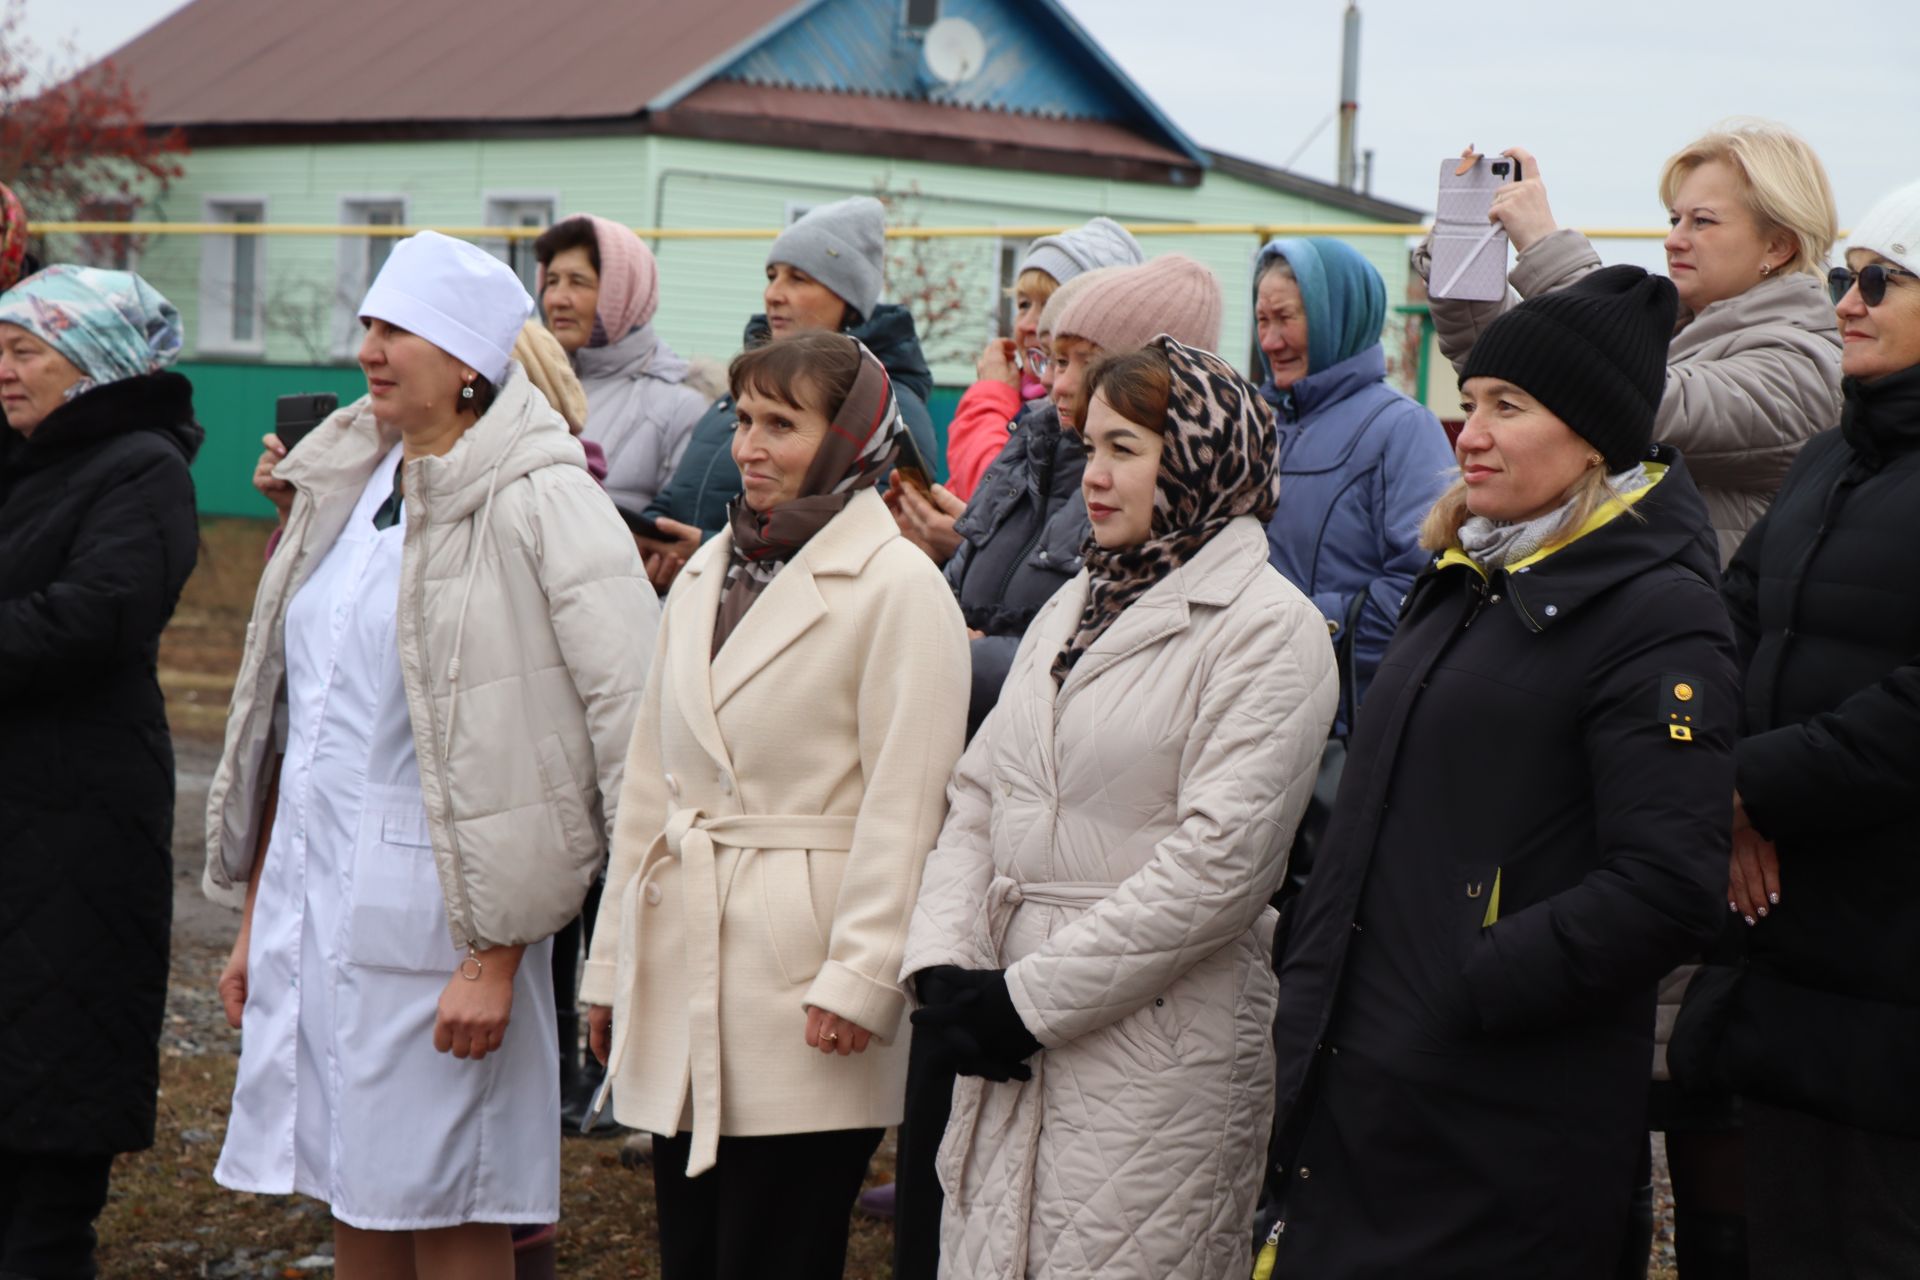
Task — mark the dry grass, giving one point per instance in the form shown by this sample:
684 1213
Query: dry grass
200 649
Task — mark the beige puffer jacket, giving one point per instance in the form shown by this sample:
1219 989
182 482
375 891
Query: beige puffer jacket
526 629
1749 380
1113 845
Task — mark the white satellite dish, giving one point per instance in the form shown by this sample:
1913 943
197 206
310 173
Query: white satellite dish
954 51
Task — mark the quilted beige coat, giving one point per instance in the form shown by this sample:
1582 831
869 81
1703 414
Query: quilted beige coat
525 631
1113 845
1749 380
780 799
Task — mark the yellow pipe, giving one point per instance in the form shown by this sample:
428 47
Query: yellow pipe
1263 231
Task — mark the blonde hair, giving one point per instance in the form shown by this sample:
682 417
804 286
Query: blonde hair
1785 185
1440 531
1035 282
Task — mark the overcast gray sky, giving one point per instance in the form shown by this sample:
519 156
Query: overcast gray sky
1600 92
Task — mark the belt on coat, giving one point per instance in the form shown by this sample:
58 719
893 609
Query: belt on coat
693 836
1004 897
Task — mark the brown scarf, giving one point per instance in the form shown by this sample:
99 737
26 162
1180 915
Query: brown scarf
859 448
1219 460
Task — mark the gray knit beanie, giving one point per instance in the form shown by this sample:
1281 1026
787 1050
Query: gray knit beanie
843 245
1124 311
1101 243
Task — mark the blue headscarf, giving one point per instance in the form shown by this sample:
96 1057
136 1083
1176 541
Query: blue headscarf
1344 296
110 324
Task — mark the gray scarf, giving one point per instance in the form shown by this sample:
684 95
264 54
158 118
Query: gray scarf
1495 544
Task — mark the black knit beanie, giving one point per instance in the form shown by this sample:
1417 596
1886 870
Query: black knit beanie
1594 353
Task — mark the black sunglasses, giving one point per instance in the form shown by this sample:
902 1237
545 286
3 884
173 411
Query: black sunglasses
1873 280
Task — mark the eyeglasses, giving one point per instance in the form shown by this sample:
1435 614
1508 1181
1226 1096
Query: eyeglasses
1873 280
1037 361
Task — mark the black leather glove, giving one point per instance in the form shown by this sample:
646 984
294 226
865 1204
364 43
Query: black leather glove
979 1033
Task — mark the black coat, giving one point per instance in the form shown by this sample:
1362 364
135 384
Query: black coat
1522 845
97 537
1021 540
1824 594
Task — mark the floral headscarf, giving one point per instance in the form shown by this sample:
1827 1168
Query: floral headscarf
13 238
859 448
1219 460
111 324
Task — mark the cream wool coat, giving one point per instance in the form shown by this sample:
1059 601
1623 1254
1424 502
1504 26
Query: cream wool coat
780 800
1113 846
525 630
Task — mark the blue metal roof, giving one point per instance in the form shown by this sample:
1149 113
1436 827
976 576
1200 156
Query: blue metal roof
1039 62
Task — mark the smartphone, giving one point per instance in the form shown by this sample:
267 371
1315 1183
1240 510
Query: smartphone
643 526
1470 252
295 416
911 468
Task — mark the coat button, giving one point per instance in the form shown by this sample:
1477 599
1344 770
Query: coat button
653 895
673 786
726 785
1305 1173
1356 927
1552 611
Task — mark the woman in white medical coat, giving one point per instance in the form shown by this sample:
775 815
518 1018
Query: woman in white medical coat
424 747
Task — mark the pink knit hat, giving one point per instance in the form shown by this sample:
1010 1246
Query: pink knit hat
629 281
1127 308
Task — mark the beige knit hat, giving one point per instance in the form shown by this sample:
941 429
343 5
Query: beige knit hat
1127 309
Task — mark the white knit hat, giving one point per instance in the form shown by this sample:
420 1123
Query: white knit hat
456 295
1892 228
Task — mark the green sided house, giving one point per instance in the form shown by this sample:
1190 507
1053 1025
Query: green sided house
724 114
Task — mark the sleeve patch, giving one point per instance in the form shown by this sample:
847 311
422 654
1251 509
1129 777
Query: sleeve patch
1679 705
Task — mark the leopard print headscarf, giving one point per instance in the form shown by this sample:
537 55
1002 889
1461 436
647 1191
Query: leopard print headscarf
1220 459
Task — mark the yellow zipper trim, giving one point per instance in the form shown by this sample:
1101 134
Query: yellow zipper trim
1493 903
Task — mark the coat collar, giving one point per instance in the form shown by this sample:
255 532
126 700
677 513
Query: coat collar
785 611
1672 527
1216 576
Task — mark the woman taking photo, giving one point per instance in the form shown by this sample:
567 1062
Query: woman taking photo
1091 947
97 537
1821 1032
427 733
1753 366
1530 832
788 774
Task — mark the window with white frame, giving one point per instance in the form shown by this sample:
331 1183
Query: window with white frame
233 279
520 211
359 261
1012 254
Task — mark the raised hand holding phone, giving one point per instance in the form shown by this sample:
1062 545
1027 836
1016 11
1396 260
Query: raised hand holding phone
1521 205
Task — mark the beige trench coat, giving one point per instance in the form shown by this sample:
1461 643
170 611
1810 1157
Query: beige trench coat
1113 844
780 800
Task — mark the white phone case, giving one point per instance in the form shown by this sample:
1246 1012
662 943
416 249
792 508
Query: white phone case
1469 252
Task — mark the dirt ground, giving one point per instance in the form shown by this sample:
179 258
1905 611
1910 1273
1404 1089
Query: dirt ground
166 1216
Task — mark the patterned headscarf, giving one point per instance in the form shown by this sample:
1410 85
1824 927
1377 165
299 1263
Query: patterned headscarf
859 448
1219 460
110 324
13 238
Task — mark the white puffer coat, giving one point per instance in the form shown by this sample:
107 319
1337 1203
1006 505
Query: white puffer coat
526 627
1113 845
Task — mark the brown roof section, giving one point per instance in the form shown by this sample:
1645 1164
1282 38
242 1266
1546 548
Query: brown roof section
312 62
727 110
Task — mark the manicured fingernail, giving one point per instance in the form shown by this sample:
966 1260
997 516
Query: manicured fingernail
1763 911
1774 898
1749 919
1734 907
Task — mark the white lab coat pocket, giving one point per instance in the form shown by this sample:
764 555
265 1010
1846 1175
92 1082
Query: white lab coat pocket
398 917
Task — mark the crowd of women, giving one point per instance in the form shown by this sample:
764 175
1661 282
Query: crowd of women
982 808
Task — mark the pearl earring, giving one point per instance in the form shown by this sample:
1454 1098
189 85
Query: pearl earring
1766 269
466 392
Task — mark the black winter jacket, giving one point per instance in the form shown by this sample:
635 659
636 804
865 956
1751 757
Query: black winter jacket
1022 535
705 480
97 537
1824 594
1532 829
